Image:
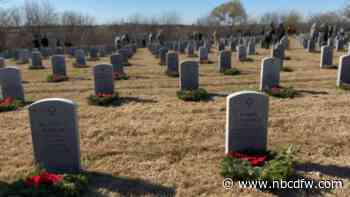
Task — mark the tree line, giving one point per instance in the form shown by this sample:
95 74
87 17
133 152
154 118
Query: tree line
40 17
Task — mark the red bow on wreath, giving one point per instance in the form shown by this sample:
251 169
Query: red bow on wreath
6 101
44 178
254 160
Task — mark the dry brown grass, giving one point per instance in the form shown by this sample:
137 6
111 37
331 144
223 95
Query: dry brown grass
157 144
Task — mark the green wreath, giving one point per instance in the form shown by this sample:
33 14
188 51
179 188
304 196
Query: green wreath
42 184
104 100
193 95
258 165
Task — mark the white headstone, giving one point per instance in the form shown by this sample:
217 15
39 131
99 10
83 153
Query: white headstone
270 73
247 121
55 135
189 76
103 76
344 70
11 83
59 65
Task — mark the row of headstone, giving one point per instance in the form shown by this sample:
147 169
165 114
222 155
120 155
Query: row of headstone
11 81
310 45
22 56
56 137
54 125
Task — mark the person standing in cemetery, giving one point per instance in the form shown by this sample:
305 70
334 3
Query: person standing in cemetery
196 36
269 36
125 39
45 41
324 34
280 31
262 32
160 37
150 37
341 33
68 43
314 32
36 41
330 31
117 42
58 43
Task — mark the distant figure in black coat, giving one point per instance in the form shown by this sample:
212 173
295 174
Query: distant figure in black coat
45 42
36 42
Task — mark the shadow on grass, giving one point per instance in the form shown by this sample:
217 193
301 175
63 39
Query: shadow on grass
100 184
140 77
26 103
331 170
287 58
140 65
331 67
312 92
125 186
315 52
248 59
206 62
287 69
213 95
126 100
3 188
117 101
81 79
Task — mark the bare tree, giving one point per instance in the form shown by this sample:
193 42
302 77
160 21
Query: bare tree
328 17
137 19
76 26
38 14
270 17
292 18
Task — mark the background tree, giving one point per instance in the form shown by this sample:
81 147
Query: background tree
230 13
327 17
292 18
77 27
37 15
270 17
